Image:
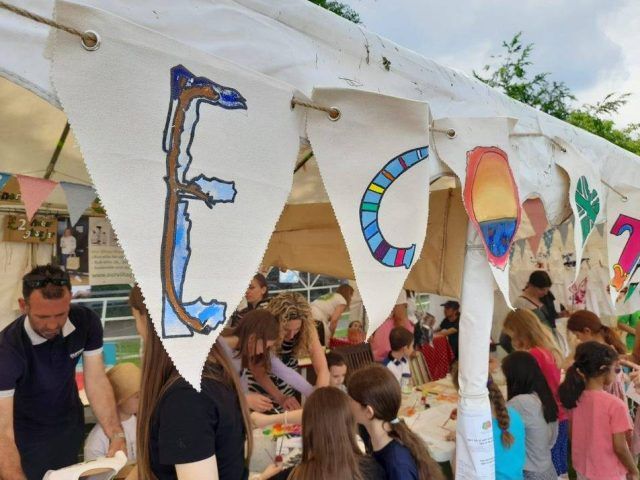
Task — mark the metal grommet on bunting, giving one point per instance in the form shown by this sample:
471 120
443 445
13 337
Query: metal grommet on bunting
90 40
451 133
334 114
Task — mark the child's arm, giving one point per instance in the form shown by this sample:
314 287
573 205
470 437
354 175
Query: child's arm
260 420
621 448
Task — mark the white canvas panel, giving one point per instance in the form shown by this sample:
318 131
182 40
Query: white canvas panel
374 162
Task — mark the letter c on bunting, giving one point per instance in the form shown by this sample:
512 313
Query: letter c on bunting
385 253
181 318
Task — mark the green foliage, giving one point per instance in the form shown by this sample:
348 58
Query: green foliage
627 138
555 98
511 77
339 8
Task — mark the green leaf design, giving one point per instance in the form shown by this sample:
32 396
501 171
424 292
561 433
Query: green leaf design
588 205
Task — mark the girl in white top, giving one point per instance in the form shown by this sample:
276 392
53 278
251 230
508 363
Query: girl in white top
329 308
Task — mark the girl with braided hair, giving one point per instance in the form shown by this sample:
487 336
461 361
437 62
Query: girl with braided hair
599 421
529 394
508 432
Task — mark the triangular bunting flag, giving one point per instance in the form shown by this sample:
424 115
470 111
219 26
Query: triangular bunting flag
79 197
600 228
547 237
189 176
4 178
534 209
481 156
386 169
521 246
623 238
563 228
34 192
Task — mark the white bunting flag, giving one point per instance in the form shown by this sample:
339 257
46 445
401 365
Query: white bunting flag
374 161
623 237
480 155
586 196
192 157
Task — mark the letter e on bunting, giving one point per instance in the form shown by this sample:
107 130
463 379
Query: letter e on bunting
623 237
479 153
375 167
586 195
193 160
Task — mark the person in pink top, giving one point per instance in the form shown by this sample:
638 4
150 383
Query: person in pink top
586 326
379 341
599 420
529 334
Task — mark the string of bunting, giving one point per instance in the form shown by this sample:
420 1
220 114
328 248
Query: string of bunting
35 190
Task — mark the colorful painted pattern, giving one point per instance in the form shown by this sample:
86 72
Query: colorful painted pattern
492 202
630 254
385 253
588 206
181 318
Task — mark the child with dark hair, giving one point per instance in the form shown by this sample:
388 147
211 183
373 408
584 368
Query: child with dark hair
376 399
599 421
529 394
401 341
337 370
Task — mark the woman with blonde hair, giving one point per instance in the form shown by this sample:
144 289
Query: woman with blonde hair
298 336
529 334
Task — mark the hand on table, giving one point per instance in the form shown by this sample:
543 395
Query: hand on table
259 403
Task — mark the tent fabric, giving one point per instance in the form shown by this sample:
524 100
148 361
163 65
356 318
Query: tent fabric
307 238
307 46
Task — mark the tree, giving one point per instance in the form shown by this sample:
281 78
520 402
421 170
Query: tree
511 77
555 98
339 8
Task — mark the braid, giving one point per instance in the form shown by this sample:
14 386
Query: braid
502 414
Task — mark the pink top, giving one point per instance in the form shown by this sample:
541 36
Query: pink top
380 345
551 373
593 422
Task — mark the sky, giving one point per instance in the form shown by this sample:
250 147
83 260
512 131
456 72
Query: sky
592 46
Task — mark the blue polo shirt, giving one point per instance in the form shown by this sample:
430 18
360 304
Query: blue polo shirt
40 373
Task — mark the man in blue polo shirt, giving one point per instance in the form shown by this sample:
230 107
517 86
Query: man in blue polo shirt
41 416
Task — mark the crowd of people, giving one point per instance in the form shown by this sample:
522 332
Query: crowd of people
351 425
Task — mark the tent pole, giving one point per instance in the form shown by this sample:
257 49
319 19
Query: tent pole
56 152
474 437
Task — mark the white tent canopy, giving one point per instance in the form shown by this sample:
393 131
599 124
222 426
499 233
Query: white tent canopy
308 47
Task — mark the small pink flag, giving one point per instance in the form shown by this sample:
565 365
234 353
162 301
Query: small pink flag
534 209
34 192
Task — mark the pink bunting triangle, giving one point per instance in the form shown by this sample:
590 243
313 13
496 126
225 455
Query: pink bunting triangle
534 209
34 192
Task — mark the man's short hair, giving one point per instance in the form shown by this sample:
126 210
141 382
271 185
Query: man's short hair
334 359
399 338
51 280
